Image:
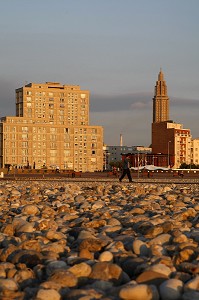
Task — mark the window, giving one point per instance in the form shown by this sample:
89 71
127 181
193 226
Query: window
24 136
53 130
53 153
24 144
94 130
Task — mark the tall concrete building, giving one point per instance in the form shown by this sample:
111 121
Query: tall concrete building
168 138
160 100
51 128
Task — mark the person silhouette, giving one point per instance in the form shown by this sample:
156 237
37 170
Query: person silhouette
126 168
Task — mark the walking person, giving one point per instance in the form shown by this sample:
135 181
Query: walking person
126 168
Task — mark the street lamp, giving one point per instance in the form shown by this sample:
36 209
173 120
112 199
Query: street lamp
138 159
168 153
4 152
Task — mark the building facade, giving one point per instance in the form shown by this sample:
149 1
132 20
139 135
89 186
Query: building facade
51 128
172 140
195 151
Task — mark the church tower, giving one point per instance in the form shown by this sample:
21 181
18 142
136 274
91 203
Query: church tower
160 100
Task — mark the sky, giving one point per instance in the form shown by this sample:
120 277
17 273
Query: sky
114 49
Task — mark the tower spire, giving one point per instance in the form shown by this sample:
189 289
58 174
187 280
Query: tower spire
160 75
160 100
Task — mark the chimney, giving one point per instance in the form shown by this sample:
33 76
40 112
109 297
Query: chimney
121 141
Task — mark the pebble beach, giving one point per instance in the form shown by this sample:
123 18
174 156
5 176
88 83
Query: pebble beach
99 240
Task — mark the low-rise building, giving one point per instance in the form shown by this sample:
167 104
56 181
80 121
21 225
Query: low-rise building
113 154
173 140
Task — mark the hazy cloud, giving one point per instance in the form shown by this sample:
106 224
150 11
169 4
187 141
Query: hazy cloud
129 114
100 103
120 102
133 116
140 105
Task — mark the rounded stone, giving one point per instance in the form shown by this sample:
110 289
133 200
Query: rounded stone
161 268
91 244
106 256
190 295
54 265
22 275
81 270
161 239
85 253
64 278
140 248
151 277
54 235
8 284
139 292
106 271
171 289
49 294
192 284
30 209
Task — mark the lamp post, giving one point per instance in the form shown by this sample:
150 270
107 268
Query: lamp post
4 152
138 158
168 153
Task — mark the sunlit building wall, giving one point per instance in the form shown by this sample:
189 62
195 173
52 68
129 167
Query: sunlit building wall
51 128
195 151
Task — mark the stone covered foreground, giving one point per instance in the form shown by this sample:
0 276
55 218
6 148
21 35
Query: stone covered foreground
97 240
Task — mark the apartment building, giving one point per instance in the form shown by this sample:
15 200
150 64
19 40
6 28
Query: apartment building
195 151
51 128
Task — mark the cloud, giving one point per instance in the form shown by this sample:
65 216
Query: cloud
126 113
100 103
133 117
140 105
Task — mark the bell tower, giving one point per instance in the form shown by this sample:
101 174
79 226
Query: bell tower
160 100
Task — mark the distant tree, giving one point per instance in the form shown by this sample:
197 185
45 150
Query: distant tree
188 166
184 166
